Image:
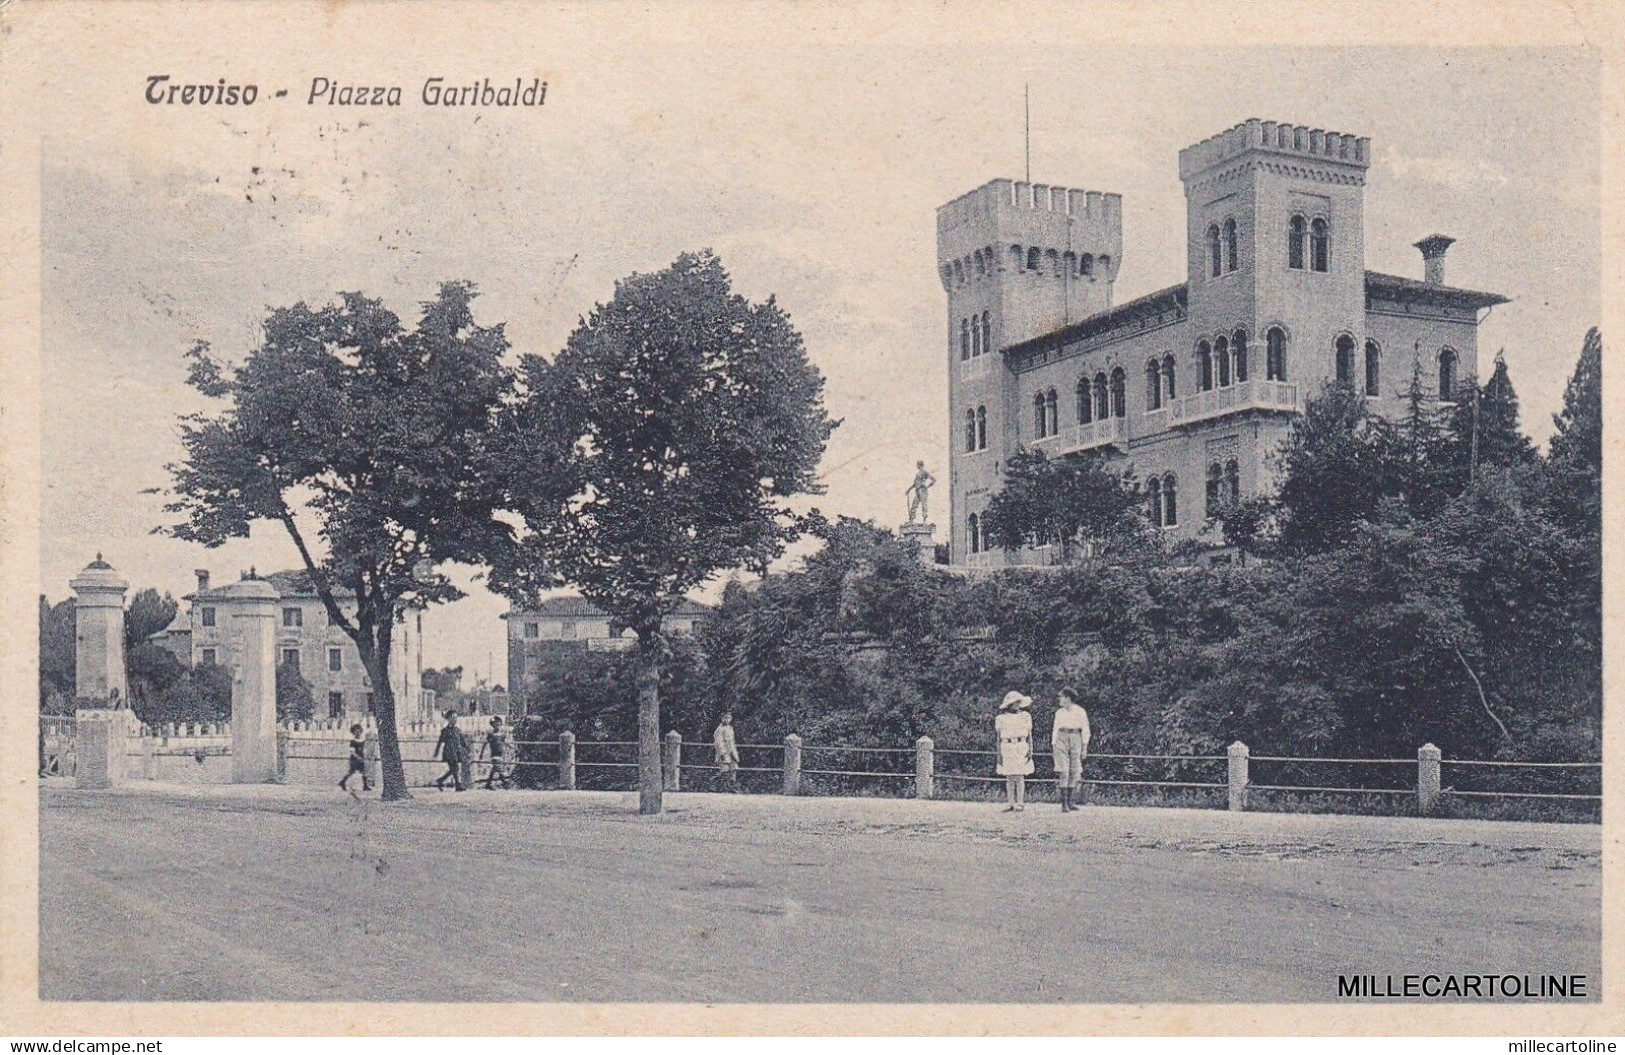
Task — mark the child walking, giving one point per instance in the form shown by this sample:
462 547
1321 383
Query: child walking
358 760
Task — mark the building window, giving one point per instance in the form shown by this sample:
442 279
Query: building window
567 628
1447 375
208 617
981 266
973 535
976 348
1119 393
1215 483
292 617
210 656
1373 368
1086 265
1039 418
1230 253
1103 399
1153 501
987 333
1295 236
970 430
1275 354
1319 245
1034 258
1232 481
533 629
1170 501
1345 360
1153 385
335 705
1214 262
1204 360
335 660
290 658
964 339
1086 401
1169 390
1052 412
981 428
1238 352
1221 357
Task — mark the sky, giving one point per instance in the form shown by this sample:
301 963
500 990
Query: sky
814 171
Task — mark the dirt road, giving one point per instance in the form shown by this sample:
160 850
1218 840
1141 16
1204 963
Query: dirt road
221 893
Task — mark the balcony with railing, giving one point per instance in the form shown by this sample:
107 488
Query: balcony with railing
1279 396
1106 432
976 367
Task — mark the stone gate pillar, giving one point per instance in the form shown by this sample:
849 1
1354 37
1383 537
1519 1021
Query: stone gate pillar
253 607
98 626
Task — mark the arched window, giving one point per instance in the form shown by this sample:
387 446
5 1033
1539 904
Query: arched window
1294 242
1034 258
1053 414
1204 361
1040 419
1153 501
1230 253
1373 368
981 428
975 340
970 430
981 265
1086 401
1447 375
973 529
1170 501
1015 258
959 272
1215 482
1086 265
964 339
1320 249
1103 398
1153 385
1169 390
1105 263
1119 393
1052 260
1214 262
1238 352
1221 357
1232 481
987 332
1345 360
1275 354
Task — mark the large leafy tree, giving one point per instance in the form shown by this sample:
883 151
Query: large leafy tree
150 668
57 659
1485 429
1075 502
657 450
368 442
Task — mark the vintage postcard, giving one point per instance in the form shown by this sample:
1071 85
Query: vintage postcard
836 518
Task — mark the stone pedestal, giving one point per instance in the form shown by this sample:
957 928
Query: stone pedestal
924 537
98 748
98 617
253 604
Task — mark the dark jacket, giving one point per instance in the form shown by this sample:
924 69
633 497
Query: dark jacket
453 746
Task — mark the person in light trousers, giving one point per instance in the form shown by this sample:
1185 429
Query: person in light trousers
1013 726
1069 742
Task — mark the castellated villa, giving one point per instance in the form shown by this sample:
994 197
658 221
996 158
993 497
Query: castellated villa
1192 387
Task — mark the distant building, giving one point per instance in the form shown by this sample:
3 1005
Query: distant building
322 653
574 623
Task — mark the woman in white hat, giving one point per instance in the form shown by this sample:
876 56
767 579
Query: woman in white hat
1014 728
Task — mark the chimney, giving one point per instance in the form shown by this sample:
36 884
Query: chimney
1433 249
202 579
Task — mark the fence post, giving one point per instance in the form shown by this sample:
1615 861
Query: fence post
925 769
567 761
671 766
281 756
1427 778
792 764
1238 775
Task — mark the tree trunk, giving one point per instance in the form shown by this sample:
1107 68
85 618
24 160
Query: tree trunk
376 659
650 783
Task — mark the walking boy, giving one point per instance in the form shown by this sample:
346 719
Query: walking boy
358 760
496 745
453 749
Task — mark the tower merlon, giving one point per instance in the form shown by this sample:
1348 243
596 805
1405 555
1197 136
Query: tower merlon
1276 137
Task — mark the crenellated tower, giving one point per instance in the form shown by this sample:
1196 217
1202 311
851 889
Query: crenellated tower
1018 260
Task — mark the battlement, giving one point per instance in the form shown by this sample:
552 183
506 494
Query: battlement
1003 196
1340 148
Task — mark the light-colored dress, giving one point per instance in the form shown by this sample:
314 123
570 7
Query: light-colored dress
726 749
1015 733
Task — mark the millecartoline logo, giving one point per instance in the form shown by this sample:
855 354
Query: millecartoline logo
1463 987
